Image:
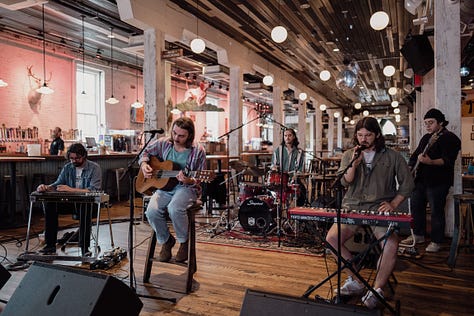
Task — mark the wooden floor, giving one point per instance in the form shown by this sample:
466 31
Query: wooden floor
426 286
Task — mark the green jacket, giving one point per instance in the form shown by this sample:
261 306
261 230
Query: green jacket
389 176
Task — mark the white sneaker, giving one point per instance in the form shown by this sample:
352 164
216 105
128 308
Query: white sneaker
433 247
409 241
351 287
370 300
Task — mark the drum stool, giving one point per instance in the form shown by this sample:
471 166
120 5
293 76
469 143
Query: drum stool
191 264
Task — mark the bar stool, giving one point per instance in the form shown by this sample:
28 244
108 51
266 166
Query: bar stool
459 225
21 192
191 265
117 173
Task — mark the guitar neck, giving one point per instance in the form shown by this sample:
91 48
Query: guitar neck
173 173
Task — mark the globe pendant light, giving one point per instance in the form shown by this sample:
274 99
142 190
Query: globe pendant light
279 34
112 99
388 71
268 80
137 103
44 89
379 20
3 83
325 75
197 45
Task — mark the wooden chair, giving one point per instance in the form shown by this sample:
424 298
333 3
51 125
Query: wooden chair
191 263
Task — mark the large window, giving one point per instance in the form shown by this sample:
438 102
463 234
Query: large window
90 106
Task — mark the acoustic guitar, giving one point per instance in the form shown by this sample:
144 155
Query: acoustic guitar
164 176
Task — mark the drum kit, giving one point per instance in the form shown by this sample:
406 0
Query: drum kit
258 202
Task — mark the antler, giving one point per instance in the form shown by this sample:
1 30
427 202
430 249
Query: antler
30 73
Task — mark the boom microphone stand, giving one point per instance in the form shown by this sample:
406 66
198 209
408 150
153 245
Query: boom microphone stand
227 135
132 212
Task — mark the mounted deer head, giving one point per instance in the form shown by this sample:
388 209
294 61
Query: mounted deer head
34 97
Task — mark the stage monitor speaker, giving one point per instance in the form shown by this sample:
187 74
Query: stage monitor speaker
48 289
4 276
418 52
261 304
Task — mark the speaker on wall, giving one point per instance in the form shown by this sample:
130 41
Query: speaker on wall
48 289
418 52
4 276
262 304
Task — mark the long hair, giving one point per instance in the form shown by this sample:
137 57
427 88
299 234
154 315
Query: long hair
78 149
296 142
370 124
187 124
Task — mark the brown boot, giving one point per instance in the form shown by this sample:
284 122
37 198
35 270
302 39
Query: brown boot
182 254
165 253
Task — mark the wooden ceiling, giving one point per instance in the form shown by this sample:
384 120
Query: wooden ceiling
315 29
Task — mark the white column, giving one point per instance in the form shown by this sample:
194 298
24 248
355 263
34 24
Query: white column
277 115
235 110
331 133
448 82
339 130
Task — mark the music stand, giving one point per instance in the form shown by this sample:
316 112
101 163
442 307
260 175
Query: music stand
132 218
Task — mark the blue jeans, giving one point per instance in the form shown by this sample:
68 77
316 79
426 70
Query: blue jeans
175 203
436 197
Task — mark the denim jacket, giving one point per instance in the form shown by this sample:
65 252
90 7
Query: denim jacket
91 176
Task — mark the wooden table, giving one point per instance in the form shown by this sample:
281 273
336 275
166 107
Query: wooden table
218 159
12 198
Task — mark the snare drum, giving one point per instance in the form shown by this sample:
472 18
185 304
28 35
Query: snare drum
248 190
274 179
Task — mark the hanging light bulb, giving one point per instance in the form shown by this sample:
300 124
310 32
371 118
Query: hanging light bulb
44 89
346 119
197 45
396 110
358 106
337 114
3 83
303 96
112 99
365 113
389 71
394 104
279 34
352 122
137 103
268 80
322 107
392 91
379 20
325 75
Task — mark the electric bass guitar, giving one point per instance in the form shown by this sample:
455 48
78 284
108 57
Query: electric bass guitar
431 142
164 176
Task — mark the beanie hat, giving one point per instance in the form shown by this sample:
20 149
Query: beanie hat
436 114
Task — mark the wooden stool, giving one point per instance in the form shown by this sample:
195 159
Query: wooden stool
459 225
191 265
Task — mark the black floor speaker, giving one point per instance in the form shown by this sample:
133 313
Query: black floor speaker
48 289
4 276
261 304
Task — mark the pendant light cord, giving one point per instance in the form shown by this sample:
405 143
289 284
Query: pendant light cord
44 50
112 60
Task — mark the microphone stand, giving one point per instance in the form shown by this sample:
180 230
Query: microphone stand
227 135
130 226
283 128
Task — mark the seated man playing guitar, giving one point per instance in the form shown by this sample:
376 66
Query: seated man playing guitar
185 156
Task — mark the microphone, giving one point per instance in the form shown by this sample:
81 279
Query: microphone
360 149
155 131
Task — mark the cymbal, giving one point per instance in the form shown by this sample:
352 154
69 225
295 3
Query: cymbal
238 165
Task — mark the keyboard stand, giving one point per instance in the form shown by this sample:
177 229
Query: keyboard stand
349 265
86 257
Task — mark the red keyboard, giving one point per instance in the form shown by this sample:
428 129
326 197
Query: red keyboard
354 217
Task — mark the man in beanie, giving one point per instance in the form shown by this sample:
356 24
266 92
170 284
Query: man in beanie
434 175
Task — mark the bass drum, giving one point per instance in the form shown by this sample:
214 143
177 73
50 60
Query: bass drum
255 216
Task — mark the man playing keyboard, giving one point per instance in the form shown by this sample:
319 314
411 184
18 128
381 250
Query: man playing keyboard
378 180
78 175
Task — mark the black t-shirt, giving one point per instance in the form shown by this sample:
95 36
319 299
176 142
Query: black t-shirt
56 145
447 148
